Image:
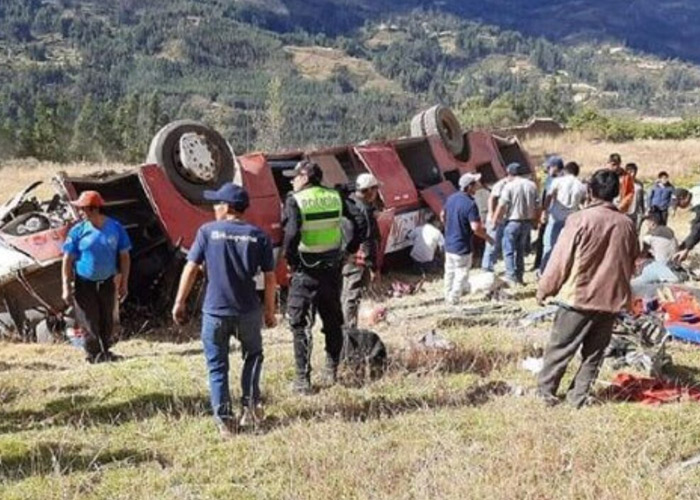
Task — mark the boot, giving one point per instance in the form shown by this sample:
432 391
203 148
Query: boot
302 360
330 372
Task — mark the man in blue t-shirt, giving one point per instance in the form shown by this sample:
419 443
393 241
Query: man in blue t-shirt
461 218
232 251
92 250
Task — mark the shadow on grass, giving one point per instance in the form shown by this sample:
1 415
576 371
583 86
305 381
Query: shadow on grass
381 407
458 359
36 366
688 376
61 458
82 411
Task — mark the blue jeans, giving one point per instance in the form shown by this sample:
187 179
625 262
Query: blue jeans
515 237
492 252
216 335
551 235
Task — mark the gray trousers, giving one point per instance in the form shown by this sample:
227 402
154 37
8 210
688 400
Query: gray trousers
589 330
355 281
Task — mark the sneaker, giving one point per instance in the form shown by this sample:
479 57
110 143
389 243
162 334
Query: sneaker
228 428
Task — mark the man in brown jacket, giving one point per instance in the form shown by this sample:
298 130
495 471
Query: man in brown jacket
589 272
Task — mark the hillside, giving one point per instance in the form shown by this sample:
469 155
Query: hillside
88 80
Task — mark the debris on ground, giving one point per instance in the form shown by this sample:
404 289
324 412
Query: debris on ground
646 390
533 365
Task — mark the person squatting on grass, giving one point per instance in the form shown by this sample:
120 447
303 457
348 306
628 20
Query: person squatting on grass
589 272
461 218
232 252
90 274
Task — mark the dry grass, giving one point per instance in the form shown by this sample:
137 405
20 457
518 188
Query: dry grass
431 428
18 174
681 159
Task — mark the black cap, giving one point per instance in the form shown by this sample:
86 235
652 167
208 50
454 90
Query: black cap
234 195
306 167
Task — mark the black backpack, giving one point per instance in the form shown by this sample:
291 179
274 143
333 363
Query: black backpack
363 357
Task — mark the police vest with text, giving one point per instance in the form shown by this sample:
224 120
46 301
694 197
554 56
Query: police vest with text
321 211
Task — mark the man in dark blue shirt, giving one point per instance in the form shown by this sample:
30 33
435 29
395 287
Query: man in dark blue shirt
661 196
91 252
460 216
232 251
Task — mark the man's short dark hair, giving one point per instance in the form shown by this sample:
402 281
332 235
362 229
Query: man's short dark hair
604 185
572 168
681 193
663 173
632 166
615 158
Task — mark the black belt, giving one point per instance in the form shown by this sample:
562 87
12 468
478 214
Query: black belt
97 283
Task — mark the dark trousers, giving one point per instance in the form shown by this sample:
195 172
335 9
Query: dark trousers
589 330
664 216
94 303
311 291
355 281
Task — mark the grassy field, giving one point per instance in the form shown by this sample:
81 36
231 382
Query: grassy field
466 429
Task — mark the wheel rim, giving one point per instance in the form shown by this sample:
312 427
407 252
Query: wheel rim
195 158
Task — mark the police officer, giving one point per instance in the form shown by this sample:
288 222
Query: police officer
361 268
313 248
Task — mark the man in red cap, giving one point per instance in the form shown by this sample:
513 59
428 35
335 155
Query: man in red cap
91 252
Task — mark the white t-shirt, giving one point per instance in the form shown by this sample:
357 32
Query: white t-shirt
662 244
426 240
569 196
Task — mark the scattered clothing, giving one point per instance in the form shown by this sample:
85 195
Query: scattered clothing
650 391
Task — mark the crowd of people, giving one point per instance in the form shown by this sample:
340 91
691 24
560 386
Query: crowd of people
585 257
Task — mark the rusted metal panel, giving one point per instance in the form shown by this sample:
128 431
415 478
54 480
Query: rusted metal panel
385 221
265 204
435 196
44 247
445 160
180 219
333 173
483 151
397 189
257 176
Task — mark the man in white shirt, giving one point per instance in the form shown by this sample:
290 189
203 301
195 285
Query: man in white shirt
428 243
494 228
565 196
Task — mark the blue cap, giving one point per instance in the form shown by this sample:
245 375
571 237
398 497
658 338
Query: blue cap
513 168
554 161
230 193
